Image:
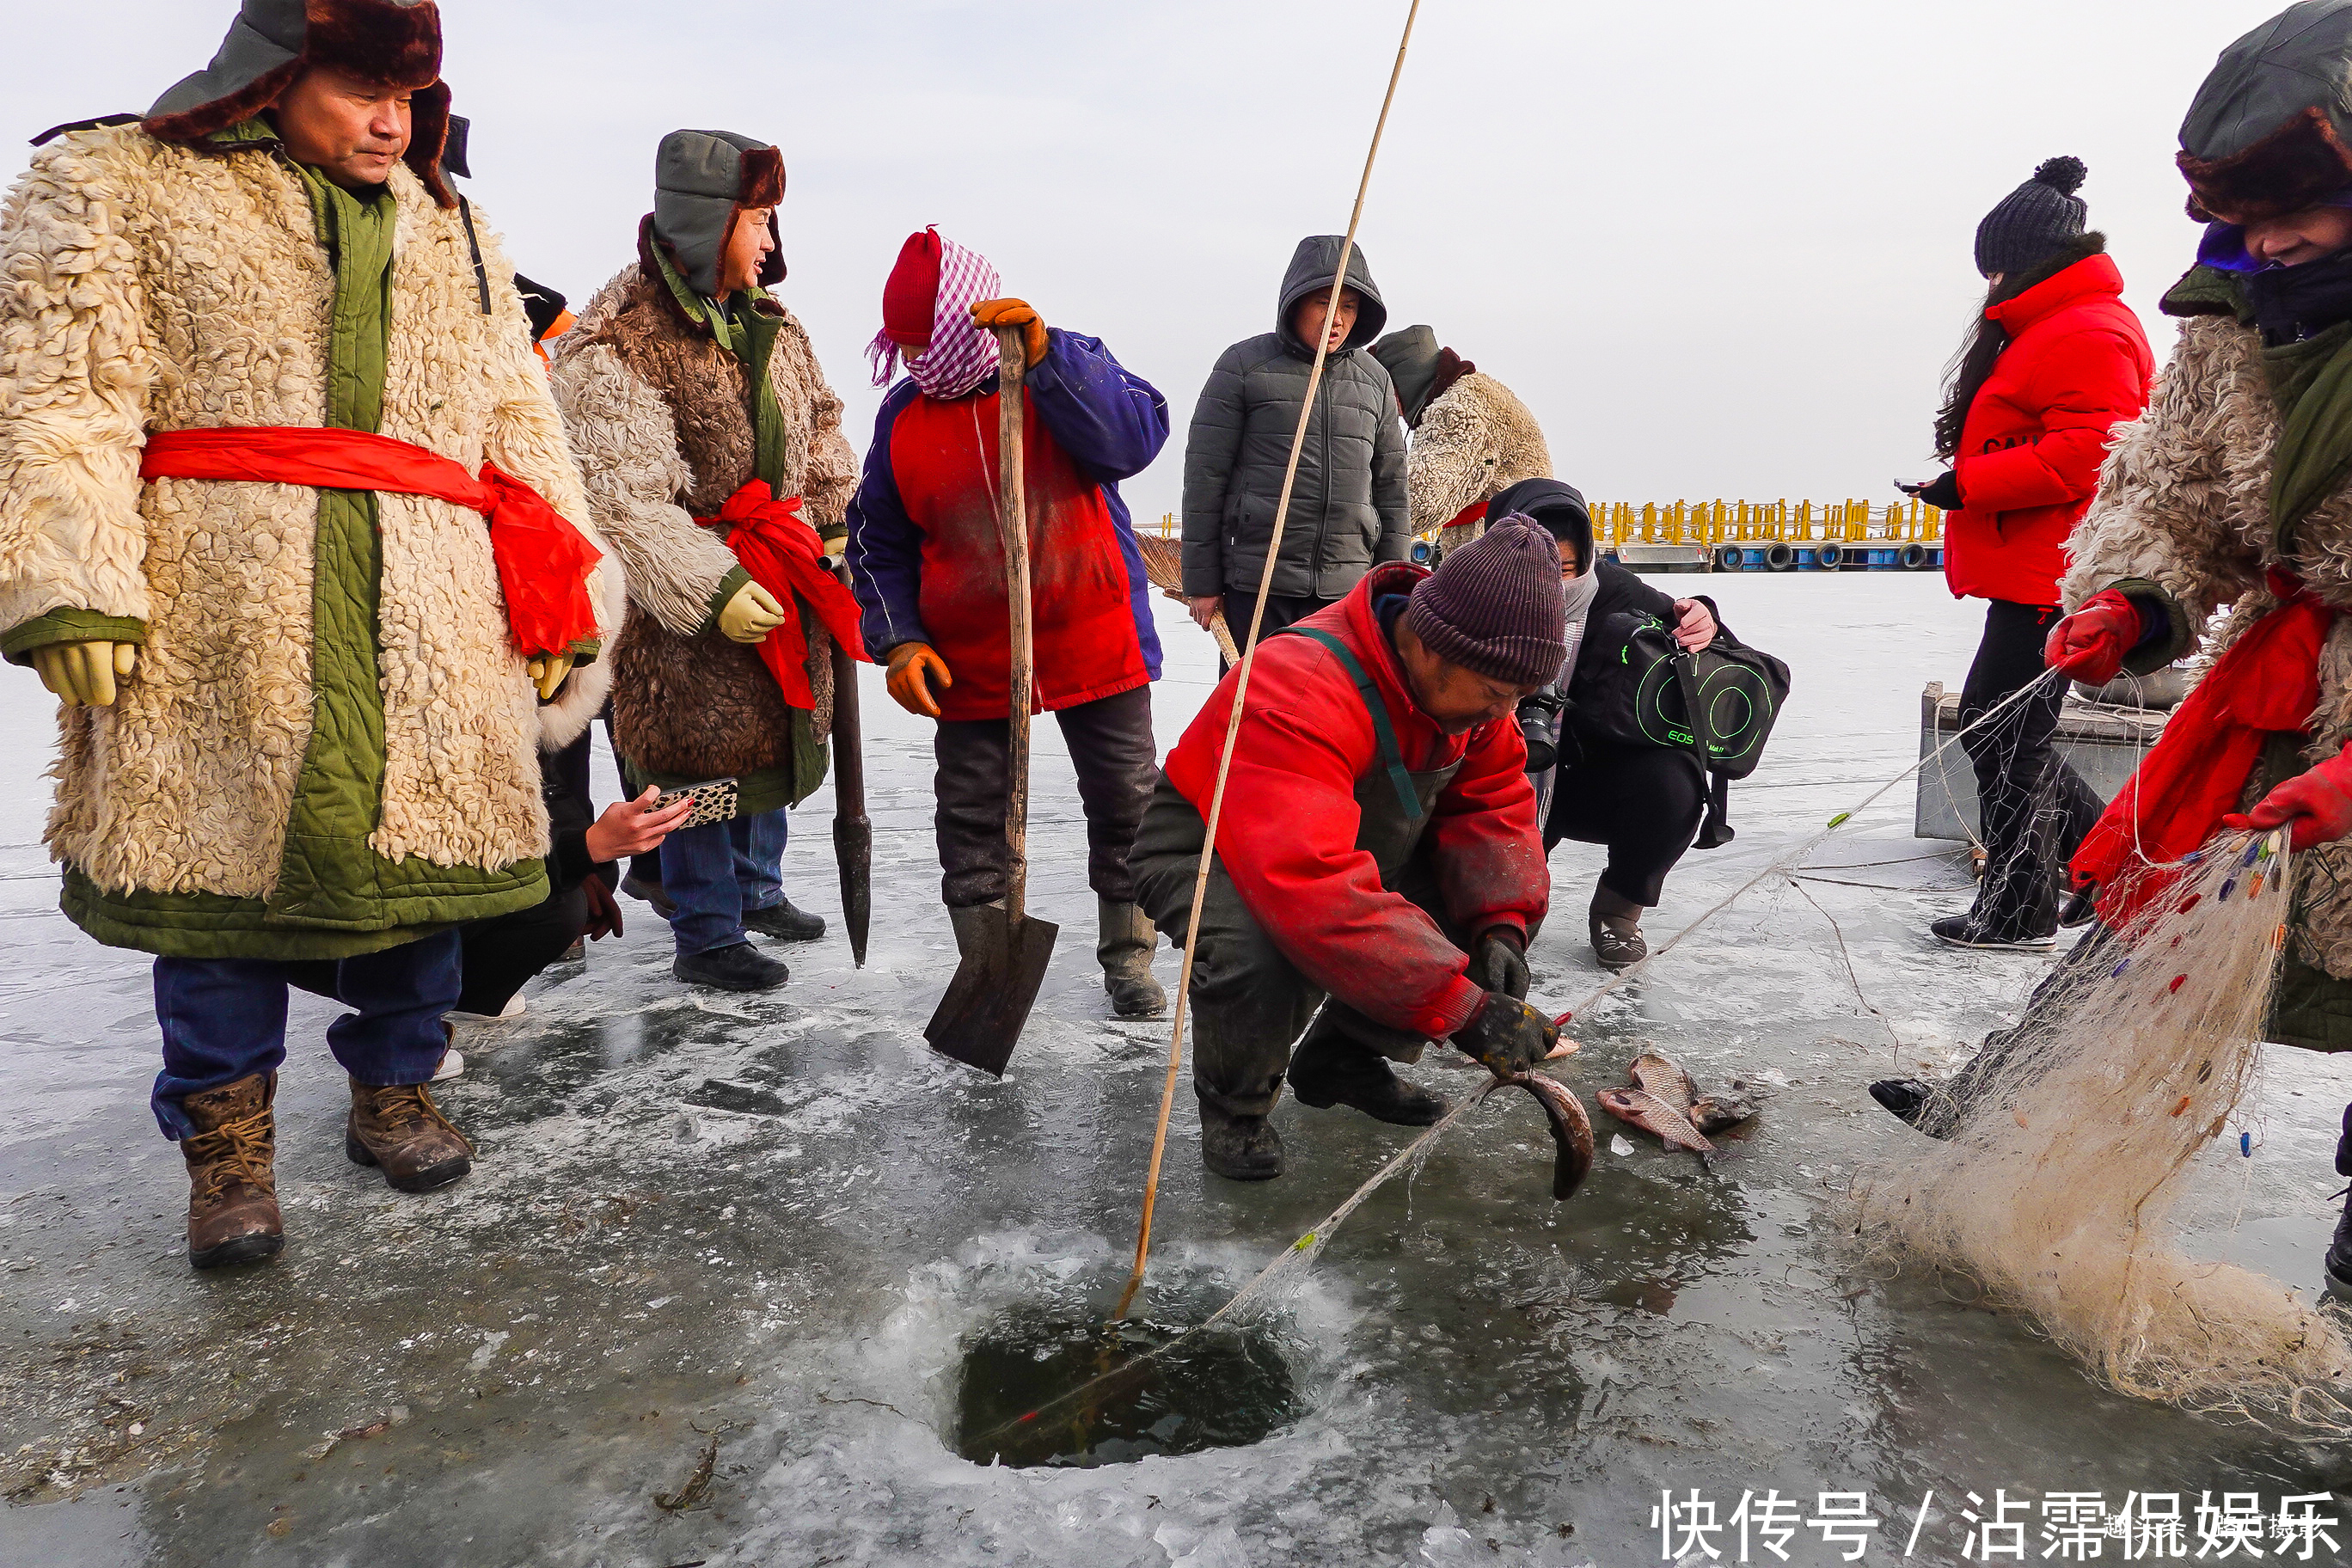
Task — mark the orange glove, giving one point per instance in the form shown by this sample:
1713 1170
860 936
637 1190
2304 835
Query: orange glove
908 689
1018 313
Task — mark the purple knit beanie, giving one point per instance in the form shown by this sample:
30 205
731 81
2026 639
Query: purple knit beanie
1494 606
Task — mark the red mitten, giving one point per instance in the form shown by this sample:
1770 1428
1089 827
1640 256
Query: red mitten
2090 644
2318 802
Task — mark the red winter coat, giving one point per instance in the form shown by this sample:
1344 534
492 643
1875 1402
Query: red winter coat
2076 366
1287 837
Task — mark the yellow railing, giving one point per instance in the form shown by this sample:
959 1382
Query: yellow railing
1712 523
1740 522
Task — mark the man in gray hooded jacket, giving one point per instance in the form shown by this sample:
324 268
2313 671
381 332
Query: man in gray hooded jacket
1347 509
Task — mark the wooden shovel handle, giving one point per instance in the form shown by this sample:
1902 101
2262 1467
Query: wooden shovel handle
1012 529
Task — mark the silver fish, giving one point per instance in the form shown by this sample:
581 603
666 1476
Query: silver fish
1571 1131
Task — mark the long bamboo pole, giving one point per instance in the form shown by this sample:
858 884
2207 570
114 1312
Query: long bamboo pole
1242 680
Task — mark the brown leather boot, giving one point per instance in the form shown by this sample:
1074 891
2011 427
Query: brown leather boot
401 1129
232 1192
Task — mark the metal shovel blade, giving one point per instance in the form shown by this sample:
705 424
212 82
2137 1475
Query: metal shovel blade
979 1019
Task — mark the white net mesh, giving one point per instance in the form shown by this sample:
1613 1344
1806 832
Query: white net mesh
2072 1138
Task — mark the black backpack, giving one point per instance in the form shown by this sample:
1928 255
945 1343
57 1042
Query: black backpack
1645 690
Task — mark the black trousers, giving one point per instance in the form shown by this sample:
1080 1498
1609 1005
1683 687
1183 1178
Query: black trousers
1645 803
1281 610
501 953
1112 750
2033 808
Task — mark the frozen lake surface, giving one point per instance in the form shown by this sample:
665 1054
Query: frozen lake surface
756 1231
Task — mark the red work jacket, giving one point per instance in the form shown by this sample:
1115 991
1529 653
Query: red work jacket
1288 834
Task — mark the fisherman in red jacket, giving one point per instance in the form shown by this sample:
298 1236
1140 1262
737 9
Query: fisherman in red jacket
1378 846
2056 363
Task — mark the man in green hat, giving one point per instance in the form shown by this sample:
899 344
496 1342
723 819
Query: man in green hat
712 450
292 533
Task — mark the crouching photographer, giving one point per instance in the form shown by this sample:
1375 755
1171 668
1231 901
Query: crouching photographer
1611 766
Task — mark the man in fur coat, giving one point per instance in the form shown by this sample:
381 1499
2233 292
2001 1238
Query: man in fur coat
1472 437
276 527
712 451
2233 492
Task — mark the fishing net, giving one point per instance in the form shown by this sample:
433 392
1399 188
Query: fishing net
2072 1138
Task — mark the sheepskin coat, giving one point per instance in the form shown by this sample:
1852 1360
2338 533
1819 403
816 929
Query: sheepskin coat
154 287
1475 440
660 414
2182 518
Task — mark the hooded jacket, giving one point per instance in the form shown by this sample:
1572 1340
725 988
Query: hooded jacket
327 745
1348 508
1287 837
2077 366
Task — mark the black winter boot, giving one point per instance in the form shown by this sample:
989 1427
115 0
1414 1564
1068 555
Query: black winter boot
1239 1148
784 923
2339 1255
1123 946
1328 1069
1968 931
741 967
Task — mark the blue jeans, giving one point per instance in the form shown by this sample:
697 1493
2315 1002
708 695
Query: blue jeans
718 873
225 1019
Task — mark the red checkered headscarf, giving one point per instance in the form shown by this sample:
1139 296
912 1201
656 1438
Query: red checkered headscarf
930 294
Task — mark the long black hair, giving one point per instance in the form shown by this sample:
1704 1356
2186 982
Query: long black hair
1964 378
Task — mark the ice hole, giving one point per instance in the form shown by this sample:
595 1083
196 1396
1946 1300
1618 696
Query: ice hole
1059 1385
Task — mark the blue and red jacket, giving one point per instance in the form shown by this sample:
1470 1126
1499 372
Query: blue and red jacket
924 556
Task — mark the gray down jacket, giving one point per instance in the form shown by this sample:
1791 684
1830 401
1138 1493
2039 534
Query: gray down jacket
1348 509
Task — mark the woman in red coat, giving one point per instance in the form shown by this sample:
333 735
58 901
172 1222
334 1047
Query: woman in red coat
2057 362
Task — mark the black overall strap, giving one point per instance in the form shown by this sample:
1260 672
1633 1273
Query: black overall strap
474 242
1390 757
1716 831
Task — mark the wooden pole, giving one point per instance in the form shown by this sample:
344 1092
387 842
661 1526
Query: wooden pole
1240 687
1012 530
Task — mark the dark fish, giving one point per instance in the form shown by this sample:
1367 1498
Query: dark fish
1729 1105
1643 1109
1571 1131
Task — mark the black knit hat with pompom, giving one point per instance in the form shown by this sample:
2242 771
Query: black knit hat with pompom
2034 221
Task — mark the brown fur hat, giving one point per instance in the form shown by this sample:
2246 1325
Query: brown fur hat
2266 134
390 43
2300 164
704 181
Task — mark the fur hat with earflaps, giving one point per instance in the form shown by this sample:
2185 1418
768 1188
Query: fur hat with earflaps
388 43
2270 132
702 180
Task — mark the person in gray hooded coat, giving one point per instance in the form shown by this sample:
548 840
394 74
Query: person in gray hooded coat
1348 508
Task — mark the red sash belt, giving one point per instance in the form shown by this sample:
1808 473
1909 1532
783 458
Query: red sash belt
785 556
544 562
2268 680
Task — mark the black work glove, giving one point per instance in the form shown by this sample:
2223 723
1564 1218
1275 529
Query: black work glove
1944 495
1507 1036
1500 961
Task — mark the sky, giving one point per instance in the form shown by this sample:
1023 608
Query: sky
1721 249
